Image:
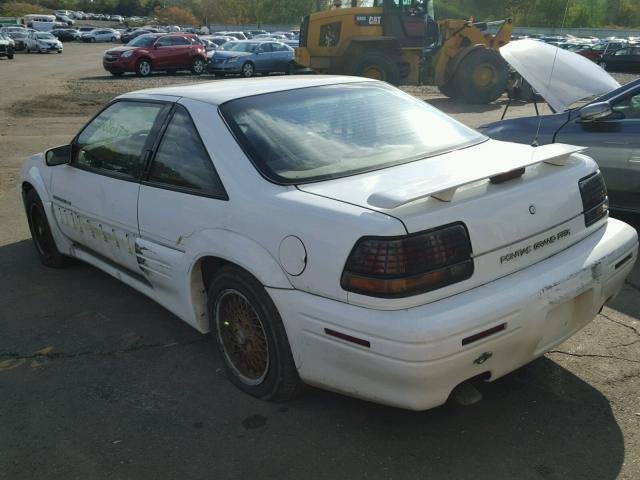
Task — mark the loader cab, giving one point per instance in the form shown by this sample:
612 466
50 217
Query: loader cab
410 21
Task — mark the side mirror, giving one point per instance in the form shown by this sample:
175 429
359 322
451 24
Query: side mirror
595 111
58 155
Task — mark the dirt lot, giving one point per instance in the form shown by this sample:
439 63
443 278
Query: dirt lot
99 382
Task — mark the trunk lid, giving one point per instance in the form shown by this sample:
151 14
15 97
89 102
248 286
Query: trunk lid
511 225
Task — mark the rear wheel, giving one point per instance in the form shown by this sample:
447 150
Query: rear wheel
291 68
10 55
481 77
378 67
143 68
198 66
247 70
93 40
449 90
41 233
251 337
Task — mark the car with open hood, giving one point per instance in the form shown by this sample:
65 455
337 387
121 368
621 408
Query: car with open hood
7 46
607 125
335 231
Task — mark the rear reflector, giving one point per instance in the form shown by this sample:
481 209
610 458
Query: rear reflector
481 335
348 338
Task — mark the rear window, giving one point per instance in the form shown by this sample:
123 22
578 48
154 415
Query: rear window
318 133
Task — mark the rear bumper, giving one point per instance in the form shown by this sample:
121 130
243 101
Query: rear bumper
416 356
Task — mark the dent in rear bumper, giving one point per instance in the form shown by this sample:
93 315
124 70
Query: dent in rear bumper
416 356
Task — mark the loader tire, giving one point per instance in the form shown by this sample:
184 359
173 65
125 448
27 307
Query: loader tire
481 77
378 67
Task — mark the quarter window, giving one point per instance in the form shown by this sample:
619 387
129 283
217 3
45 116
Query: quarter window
113 142
182 161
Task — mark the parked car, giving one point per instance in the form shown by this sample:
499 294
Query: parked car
101 35
595 52
7 46
219 40
18 35
608 125
249 57
127 37
66 35
86 29
42 42
623 60
157 51
64 19
324 236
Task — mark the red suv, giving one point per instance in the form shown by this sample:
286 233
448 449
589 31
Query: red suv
157 51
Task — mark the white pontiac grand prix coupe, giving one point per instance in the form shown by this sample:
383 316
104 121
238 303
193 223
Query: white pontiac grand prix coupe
334 231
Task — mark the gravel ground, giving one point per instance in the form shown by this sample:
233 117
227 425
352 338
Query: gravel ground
99 382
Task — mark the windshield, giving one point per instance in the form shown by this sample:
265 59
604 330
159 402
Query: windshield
241 46
317 133
45 36
142 41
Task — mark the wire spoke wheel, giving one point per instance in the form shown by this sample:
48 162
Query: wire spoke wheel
242 337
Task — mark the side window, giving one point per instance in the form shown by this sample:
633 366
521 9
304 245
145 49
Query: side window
182 161
266 47
181 41
113 142
164 42
629 107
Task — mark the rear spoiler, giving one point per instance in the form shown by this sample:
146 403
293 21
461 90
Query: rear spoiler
444 189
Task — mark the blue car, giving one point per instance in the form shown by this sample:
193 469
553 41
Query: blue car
607 124
247 57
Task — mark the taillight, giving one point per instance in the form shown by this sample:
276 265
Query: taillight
595 202
409 265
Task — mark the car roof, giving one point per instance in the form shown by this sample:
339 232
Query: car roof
220 91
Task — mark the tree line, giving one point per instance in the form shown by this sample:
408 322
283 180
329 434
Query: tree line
538 13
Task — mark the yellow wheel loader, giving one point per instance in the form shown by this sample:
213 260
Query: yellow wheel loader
388 41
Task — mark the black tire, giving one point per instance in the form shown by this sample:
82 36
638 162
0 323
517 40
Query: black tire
143 68
247 70
199 66
449 89
10 55
92 40
230 289
113 39
378 66
41 234
291 68
27 50
481 76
